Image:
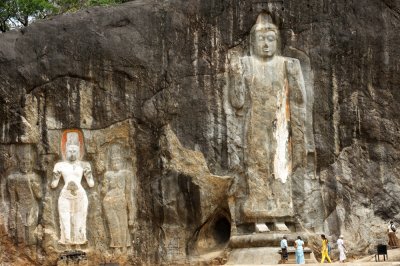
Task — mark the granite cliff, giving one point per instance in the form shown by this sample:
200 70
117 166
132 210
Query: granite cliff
146 82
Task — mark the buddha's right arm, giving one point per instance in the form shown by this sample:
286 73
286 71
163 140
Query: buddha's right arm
236 92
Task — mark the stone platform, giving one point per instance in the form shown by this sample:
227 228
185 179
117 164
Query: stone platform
268 239
265 256
264 248
254 256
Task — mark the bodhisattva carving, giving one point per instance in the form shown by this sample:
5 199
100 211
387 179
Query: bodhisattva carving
267 92
118 201
25 191
73 201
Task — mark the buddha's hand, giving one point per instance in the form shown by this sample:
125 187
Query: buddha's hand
12 225
292 67
57 174
56 178
130 222
87 172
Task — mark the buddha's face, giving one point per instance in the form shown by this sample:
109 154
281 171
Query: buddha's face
72 153
25 165
265 43
116 163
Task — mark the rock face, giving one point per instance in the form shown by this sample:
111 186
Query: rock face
177 162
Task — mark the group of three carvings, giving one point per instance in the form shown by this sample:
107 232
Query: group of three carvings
25 190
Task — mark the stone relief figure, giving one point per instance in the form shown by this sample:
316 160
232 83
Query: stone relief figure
267 93
118 199
25 191
73 201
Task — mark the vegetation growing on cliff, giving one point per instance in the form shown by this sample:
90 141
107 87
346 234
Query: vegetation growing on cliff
20 13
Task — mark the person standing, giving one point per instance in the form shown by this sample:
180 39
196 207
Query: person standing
284 247
299 246
342 249
393 241
324 249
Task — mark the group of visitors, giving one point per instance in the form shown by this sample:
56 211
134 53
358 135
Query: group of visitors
325 249
298 245
325 246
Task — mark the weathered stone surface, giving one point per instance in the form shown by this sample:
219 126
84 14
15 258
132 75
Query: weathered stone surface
191 199
152 77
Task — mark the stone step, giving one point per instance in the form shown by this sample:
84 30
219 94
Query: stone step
254 256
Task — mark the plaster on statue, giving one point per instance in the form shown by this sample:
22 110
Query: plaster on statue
73 201
118 202
267 91
25 191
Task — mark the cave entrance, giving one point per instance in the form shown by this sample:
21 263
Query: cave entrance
222 230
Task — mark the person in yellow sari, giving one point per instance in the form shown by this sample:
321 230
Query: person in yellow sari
324 250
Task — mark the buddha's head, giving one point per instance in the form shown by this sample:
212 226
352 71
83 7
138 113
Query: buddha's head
117 163
264 37
72 152
25 160
117 160
25 165
72 146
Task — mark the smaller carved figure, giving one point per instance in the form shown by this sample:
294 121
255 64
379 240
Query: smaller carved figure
118 202
25 190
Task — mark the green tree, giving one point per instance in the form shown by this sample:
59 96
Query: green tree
27 10
20 13
74 5
14 13
5 15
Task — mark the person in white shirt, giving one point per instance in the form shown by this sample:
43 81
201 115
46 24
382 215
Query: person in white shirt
393 241
284 247
342 249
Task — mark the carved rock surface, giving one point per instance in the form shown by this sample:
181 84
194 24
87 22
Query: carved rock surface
121 74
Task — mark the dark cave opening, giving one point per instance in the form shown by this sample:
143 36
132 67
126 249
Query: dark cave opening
222 230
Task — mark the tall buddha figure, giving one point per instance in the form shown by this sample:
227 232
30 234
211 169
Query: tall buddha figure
73 201
267 91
